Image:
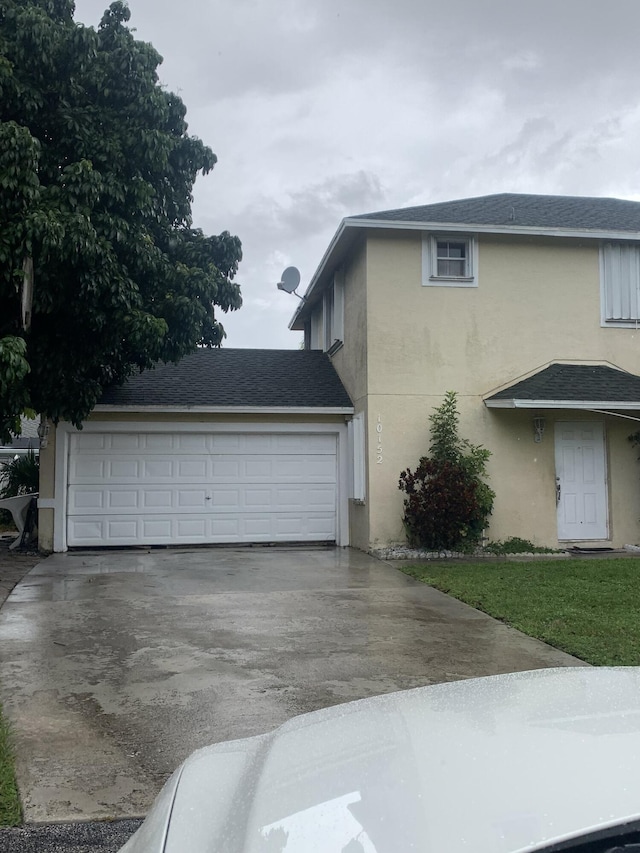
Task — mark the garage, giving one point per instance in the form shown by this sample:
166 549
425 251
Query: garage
211 487
225 447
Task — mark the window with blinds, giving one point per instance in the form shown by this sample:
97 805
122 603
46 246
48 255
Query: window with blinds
620 282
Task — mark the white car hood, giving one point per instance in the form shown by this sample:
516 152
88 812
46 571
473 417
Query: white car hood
492 765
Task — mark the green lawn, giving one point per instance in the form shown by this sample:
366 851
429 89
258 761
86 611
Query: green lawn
10 814
589 608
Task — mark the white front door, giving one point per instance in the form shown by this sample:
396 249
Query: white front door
581 480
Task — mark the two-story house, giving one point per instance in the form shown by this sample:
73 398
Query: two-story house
528 307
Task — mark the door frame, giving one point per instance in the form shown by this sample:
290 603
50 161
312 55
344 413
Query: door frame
603 449
65 429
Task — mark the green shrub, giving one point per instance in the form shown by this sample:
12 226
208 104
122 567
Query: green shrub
515 545
448 502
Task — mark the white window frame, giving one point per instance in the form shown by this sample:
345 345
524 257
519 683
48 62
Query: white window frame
620 285
315 328
333 315
430 277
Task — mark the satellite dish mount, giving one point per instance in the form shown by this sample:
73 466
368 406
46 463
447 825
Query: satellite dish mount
289 281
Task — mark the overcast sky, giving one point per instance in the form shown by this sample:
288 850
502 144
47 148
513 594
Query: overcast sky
321 109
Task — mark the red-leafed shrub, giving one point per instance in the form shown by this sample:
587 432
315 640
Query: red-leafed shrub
447 503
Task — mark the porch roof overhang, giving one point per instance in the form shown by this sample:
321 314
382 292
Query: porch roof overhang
584 387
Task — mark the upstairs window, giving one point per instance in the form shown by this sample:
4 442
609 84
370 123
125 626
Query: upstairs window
452 258
333 315
449 261
325 329
620 284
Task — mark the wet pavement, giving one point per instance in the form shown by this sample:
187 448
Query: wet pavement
115 665
102 837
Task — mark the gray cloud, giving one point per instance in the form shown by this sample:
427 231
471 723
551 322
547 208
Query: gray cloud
323 110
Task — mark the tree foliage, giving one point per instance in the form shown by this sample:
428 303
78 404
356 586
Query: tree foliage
448 501
96 176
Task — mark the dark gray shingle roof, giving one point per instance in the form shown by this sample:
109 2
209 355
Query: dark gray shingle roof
237 377
516 209
575 383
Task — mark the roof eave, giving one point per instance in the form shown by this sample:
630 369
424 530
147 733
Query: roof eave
532 230
587 405
216 410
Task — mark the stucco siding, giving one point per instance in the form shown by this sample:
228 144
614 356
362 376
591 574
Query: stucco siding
350 360
537 300
521 471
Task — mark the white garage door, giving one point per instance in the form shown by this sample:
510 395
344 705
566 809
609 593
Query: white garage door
171 488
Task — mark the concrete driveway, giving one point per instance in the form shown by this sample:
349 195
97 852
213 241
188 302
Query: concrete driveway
115 665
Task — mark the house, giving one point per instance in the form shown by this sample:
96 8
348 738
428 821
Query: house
22 444
228 446
528 307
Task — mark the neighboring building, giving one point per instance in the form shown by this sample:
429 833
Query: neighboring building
21 445
526 306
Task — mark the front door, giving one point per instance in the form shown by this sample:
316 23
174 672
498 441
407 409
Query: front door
581 480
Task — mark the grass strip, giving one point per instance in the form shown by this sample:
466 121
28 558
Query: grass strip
10 812
588 608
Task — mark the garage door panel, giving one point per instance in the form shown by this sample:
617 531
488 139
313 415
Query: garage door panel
158 498
88 499
87 470
224 497
158 469
90 531
122 528
193 469
126 442
200 529
191 499
157 488
191 528
306 468
158 442
320 527
88 442
161 469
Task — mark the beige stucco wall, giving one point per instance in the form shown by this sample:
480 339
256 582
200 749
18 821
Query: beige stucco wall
351 359
521 471
351 363
538 301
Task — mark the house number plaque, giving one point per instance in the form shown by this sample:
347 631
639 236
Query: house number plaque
379 441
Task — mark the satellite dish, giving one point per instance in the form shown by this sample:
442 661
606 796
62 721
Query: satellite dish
289 280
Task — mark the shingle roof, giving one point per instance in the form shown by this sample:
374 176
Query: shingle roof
237 377
575 383
516 209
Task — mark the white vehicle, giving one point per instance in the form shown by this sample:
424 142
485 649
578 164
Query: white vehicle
534 761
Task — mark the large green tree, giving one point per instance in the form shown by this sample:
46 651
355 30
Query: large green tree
101 271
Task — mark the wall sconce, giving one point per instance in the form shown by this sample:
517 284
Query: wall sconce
43 433
538 429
